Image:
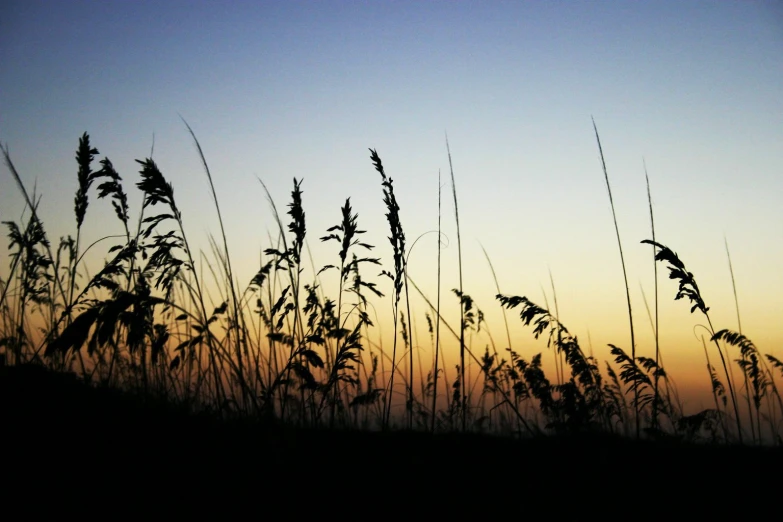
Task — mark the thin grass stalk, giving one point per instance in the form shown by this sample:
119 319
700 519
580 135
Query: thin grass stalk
238 321
733 284
84 156
497 287
294 284
655 278
409 346
417 345
274 354
625 279
739 329
729 380
558 352
406 340
333 405
714 389
462 304
503 310
231 340
411 399
397 240
409 402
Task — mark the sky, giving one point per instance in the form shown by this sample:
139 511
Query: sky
282 90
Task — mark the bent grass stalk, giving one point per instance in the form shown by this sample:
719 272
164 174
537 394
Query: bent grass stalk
238 323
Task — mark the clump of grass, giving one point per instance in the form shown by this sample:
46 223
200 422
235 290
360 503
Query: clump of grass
397 240
690 290
755 372
580 402
346 233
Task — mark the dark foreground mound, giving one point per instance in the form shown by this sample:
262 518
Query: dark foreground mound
68 446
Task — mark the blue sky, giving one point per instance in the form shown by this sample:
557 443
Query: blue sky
278 90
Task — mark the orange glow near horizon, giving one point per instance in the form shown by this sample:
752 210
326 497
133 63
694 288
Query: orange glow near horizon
682 353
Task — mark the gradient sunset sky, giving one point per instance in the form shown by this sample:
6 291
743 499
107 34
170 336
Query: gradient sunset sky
277 90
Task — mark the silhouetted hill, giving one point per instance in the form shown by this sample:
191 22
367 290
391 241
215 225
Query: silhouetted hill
64 439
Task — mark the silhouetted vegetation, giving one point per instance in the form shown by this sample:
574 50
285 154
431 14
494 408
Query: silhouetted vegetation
279 353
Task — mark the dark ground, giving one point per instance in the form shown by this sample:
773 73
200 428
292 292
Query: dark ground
68 448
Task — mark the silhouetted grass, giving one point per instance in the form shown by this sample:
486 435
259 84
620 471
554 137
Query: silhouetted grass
632 360
279 352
